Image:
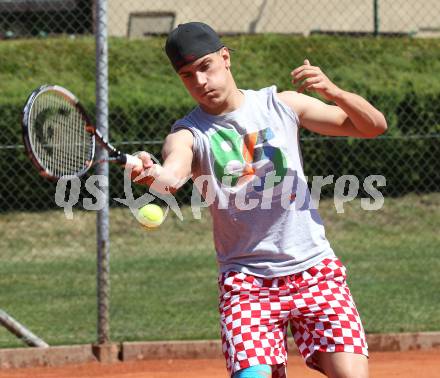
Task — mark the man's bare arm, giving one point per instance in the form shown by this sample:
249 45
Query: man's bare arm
177 157
351 116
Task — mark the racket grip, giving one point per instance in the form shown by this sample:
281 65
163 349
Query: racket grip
132 161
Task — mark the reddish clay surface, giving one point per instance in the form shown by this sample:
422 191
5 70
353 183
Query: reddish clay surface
424 364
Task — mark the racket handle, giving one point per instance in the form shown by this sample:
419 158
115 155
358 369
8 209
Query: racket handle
132 161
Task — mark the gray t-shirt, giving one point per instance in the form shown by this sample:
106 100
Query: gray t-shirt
247 166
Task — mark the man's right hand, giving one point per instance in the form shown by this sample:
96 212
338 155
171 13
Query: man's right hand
147 164
177 158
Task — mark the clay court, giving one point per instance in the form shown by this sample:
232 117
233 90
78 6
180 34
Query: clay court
424 364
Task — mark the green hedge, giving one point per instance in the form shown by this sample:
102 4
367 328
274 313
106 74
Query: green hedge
398 75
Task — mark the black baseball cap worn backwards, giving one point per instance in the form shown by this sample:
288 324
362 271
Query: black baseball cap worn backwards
189 42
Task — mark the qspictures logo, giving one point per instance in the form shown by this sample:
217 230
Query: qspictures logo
249 171
346 189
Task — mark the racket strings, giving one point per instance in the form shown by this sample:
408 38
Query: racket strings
58 135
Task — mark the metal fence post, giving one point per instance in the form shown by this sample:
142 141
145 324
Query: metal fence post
103 250
376 17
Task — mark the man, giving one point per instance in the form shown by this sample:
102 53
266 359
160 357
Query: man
241 148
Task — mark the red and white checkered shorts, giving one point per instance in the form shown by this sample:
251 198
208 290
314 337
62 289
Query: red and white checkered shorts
255 313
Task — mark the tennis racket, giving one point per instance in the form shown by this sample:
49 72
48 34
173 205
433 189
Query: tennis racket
59 137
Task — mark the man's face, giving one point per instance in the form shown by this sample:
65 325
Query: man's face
206 79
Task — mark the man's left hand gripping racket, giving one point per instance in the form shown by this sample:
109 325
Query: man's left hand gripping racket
59 137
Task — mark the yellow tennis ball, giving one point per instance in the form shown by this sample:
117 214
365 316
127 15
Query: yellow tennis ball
150 216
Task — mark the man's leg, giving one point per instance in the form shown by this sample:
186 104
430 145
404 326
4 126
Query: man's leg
257 371
325 323
253 319
342 364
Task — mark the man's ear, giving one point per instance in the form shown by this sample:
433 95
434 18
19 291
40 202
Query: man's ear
225 54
